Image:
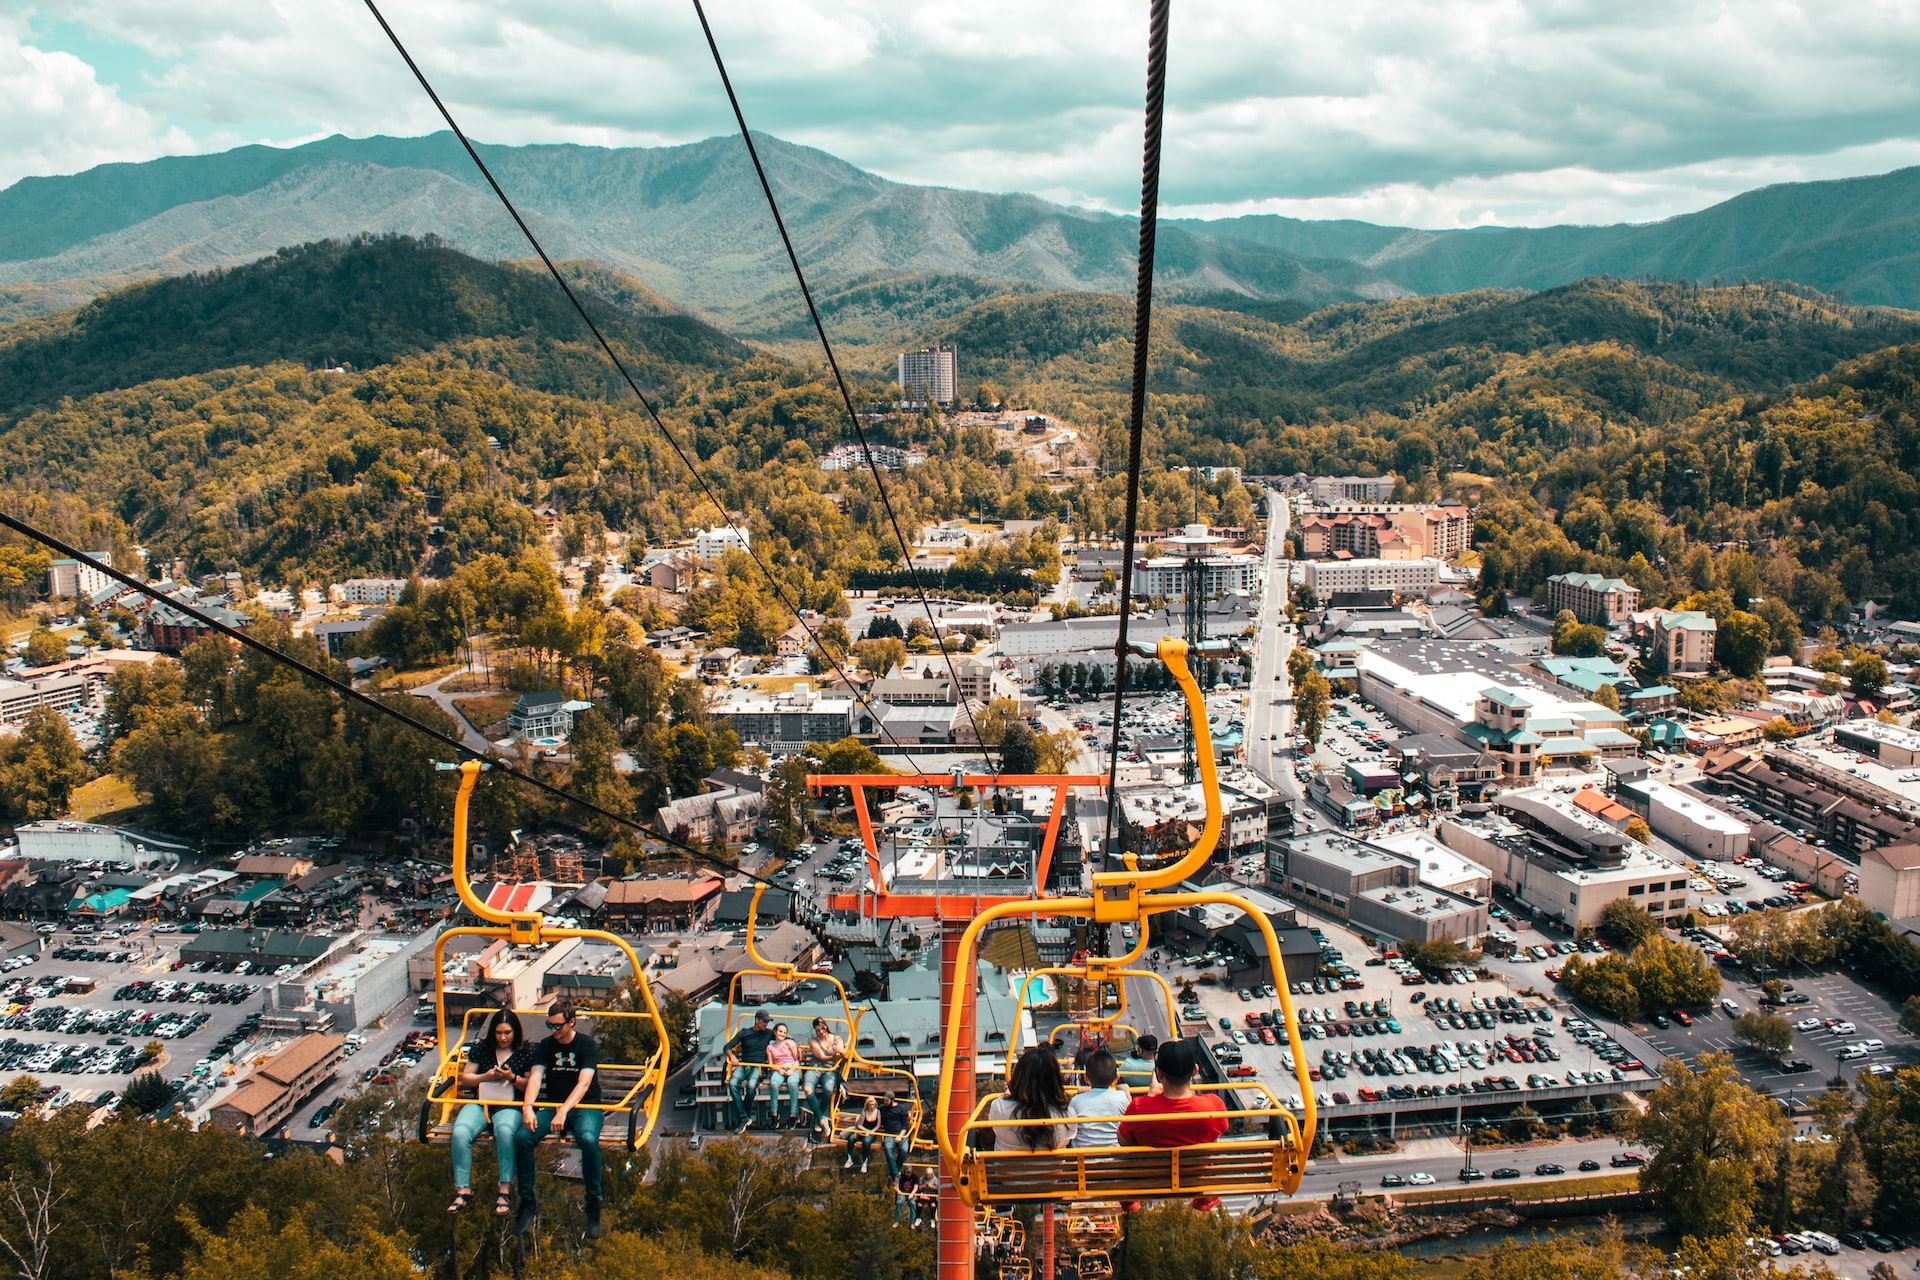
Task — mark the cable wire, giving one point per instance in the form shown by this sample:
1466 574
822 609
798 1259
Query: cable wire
846 398
352 694
1136 410
646 403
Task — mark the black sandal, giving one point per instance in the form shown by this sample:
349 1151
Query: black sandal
503 1204
462 1197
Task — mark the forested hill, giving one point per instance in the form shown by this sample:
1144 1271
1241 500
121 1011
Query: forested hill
1854 236
365 302
1628 352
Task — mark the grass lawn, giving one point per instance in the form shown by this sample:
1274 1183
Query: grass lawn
777 684
105 798
1594 1185
486 709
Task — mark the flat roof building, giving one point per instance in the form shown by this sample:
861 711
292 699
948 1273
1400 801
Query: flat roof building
1401 577
1564 863
1687 820
1377 889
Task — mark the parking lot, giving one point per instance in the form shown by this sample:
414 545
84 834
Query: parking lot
80 1022
1378 1038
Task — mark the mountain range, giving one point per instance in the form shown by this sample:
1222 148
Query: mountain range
888 258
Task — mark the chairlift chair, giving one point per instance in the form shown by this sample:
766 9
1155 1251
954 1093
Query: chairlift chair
631 1092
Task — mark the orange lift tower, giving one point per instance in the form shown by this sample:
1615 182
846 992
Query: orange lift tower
1265 1152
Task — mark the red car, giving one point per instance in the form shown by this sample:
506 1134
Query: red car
1682 1017
1369 1095
1266 1035
1241 1070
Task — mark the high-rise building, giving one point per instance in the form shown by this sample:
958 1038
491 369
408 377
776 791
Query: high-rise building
931 374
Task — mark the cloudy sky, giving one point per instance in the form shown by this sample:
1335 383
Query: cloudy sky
1432 113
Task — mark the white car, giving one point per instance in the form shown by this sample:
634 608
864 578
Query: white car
1733 1008
1807 1024
1420 1179
1841 1028
1239 1037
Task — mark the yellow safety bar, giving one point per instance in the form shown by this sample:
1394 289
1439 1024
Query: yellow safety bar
642 1097
851 1059
1122 897
1094 1264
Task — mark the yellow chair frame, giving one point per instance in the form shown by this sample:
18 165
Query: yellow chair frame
1274 1163
640 1096
852 1060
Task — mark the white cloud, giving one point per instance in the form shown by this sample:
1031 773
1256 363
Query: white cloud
55 117
1440 112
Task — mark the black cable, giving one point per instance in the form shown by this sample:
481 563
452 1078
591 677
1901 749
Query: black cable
352 694
645 403
347 691
1142 329
846 398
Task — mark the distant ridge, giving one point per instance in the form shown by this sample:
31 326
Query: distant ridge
686 221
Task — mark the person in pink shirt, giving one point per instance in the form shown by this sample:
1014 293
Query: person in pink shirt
783 1069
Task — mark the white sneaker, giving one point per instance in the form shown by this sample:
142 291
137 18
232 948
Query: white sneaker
848 1164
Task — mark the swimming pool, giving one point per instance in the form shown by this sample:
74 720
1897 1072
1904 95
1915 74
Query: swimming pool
1037 990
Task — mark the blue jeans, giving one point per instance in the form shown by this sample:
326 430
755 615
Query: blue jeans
467 1126
896 1146
905 1209
817 1087
585 1127
778 1082
742 1086
860 1146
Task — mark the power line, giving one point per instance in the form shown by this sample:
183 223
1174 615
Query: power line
846 398
347 691
1142 329
646 403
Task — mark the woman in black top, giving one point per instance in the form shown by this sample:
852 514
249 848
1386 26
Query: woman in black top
495 1073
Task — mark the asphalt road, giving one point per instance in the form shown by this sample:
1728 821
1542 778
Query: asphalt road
1269 723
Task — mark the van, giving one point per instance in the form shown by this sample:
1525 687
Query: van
1873 1046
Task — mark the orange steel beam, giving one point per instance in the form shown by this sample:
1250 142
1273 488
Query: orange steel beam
885 903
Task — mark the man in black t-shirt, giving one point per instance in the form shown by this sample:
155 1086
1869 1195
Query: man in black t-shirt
565 1073
746 1063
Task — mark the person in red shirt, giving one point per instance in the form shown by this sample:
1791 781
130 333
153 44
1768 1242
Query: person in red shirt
1202 1116
1197 1117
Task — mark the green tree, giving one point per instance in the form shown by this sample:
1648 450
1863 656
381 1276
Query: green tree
1019 749
686 759
1910 1016
1607 696
1763 1031
20 1094
1605 984
44 648
1575 639
1626 924
1311 698
592 775
1741 644
847 756
1299 662
1668 974
136 692
146 1093
251 1249
1638 831
788 804
1779 729
1867 674
41 767
1714 1144
1783 624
